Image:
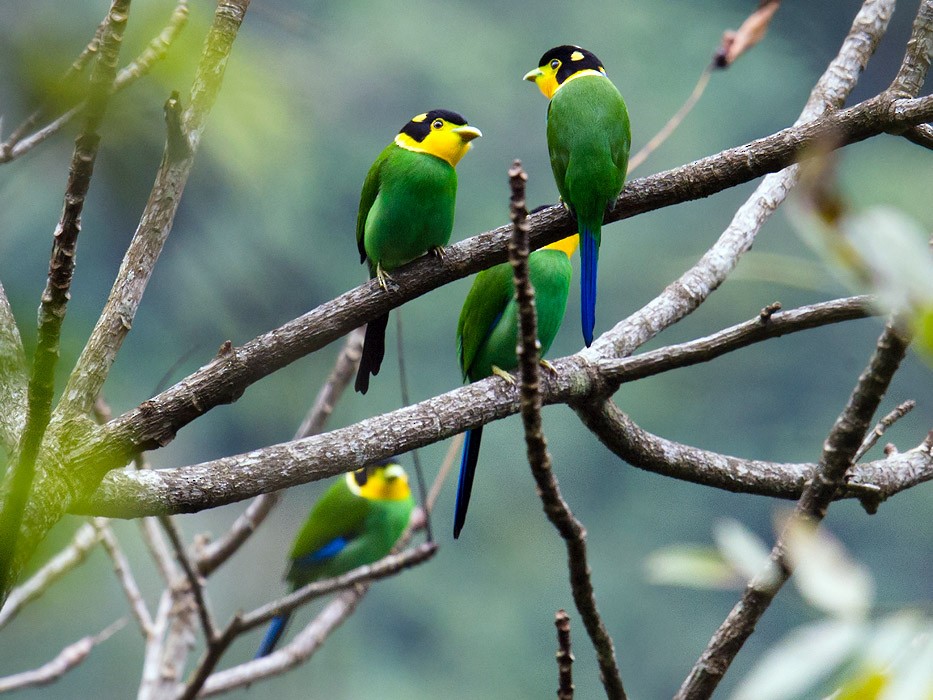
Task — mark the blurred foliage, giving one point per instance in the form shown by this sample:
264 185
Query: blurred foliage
857 651
313 92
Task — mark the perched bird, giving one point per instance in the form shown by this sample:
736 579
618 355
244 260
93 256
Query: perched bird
487 334
407 208
588 138
357 521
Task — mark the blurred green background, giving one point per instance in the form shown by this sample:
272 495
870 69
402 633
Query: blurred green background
314 90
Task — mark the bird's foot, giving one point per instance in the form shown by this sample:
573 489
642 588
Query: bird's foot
499 372
439 252
548 366
383 277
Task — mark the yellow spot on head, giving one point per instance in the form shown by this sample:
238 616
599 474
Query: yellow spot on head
420 117
576 56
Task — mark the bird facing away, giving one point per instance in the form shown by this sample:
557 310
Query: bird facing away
487 334
588 139
407 208
357 521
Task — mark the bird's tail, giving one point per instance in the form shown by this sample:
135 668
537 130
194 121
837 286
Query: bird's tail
374 349
273 635
467 470
589 258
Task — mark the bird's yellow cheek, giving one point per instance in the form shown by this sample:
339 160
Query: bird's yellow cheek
547 84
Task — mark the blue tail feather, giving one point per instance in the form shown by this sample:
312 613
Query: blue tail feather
467 470
273 634
589 257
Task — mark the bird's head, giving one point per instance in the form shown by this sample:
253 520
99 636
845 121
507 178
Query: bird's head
561 64
380 482
440 133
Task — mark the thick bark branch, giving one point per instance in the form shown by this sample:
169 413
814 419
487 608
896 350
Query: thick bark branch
229 479
871 482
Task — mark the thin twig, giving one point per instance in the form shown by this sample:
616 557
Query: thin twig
555 507
195 581
67 659
406 401
68 558
875 434
121 566
564 656
672 123
840 447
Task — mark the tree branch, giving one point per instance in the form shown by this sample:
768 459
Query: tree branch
871 482
67 659
235 478
41 386
839 450
556 508
68 558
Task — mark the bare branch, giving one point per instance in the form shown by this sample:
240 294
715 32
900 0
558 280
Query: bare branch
913 71
840 448
41 386
195 581
121 566
156 222
67 559
659 138
67 659
871 481
564 657
154 423
235 478
899 412
556 508
922 135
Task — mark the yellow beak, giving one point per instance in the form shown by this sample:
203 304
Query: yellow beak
533 75
467 133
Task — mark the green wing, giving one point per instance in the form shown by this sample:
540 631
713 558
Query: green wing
339 513
368 196
490 294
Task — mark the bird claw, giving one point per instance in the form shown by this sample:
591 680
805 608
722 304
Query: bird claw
383 277
499 372
548 366
439 253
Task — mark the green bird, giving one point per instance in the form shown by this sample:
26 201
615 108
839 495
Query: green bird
487 334
357 521
407 208
588 139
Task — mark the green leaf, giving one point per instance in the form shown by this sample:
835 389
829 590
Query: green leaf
744 550
824 573
802 659
690 566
